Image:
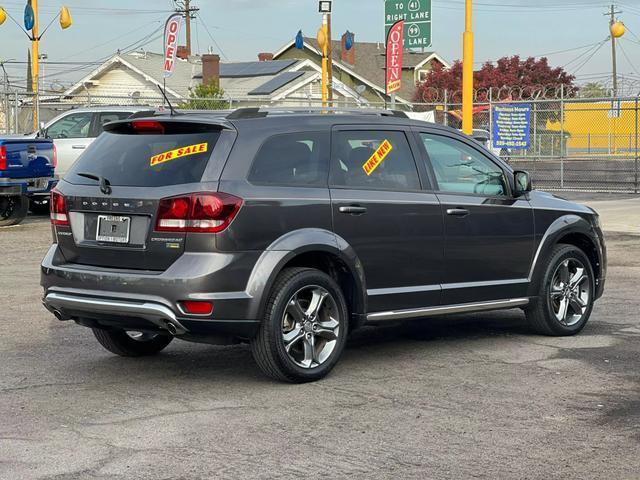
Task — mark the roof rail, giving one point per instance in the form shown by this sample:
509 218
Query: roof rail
261 112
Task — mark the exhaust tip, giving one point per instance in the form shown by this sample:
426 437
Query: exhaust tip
172 328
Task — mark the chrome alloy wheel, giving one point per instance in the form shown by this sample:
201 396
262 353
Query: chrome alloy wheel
570 292
310 326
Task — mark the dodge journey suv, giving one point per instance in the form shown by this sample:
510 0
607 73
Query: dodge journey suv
291 229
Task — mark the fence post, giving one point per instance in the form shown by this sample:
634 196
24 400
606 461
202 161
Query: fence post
562 136
490 118
446 108
535 130
16 113
636 187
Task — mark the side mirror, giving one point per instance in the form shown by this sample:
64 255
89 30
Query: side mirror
522 182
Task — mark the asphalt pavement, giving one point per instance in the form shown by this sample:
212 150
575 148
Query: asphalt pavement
475 396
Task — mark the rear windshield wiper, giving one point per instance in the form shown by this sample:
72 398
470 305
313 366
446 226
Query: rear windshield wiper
105 185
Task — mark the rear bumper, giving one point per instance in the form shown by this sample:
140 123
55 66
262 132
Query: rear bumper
132 299
101 312
26 186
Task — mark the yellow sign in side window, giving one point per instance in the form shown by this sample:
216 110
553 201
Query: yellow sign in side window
178 153
378 157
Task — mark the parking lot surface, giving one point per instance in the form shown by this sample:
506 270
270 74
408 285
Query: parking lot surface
463 397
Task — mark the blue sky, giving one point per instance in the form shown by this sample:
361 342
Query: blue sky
242 28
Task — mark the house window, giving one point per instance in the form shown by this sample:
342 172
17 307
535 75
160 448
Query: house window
422 75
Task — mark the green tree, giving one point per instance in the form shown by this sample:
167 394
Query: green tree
594 90
207 96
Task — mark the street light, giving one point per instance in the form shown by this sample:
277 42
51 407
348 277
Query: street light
31 23
324 7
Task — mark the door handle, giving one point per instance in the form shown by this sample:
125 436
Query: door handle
353 210
78 147
458 212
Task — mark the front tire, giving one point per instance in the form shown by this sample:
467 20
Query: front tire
566 294
131 344
305 328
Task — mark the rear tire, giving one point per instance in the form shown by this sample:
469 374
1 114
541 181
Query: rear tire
305 328
121 343
566 294
13 210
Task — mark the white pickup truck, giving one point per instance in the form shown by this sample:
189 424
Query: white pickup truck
73 131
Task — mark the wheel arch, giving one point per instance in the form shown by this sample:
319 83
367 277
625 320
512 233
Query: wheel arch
571 230
311 248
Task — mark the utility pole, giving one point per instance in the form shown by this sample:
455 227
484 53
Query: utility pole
612 20
35 58
330 58
467 71
324 42
189 13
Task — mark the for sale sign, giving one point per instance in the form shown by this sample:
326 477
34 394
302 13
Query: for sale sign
394 57
171 33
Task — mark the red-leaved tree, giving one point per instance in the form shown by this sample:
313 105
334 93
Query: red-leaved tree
510 78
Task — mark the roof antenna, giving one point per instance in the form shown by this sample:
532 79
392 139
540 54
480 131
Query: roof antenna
173 111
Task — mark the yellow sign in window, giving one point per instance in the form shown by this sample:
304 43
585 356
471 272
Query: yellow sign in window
178 153
378 157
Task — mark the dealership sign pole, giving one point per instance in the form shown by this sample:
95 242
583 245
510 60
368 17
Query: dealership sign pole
394 60
171 34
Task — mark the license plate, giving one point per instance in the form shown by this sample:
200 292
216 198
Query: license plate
113 229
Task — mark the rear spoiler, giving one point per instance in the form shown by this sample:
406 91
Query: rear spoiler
181 124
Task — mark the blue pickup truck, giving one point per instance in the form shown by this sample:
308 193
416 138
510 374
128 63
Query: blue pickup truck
26 174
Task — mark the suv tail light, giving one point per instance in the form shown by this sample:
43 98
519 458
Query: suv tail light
59 214
54 160
197 213
3 157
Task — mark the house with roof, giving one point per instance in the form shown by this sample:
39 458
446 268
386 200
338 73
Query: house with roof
362 68
135 78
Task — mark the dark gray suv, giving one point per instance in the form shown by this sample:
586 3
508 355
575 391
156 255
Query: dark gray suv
291 229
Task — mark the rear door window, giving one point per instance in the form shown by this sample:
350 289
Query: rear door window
297 159
102 118
146 160
373 160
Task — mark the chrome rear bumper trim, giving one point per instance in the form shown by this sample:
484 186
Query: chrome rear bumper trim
157 314
446 310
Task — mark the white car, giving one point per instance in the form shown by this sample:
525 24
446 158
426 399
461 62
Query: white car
73 131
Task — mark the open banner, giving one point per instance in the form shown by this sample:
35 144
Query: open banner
171 34
395 48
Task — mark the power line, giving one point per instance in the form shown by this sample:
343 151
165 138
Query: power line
135 30
593 49
590 57
624 53
214 40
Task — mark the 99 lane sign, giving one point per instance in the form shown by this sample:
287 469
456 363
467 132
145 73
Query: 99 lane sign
417 17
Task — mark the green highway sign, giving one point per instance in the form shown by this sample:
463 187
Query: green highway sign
417 17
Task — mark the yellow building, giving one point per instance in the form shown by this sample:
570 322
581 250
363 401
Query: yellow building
596 128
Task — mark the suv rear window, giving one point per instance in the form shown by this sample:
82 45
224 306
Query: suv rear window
295 159
146 160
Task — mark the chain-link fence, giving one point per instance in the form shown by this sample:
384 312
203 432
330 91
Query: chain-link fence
582 144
